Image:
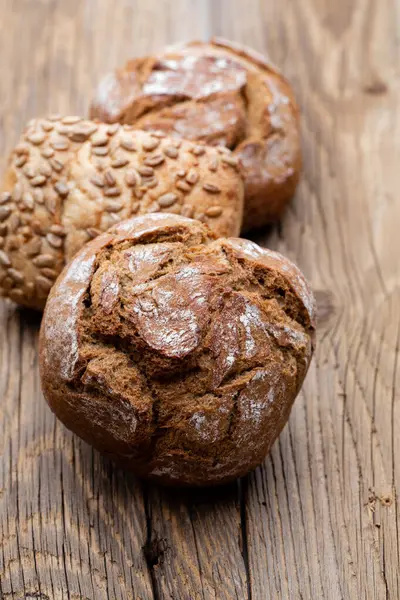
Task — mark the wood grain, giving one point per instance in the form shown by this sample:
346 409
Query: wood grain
320 518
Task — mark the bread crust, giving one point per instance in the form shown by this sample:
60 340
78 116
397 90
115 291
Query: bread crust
224 94
69 179
176 353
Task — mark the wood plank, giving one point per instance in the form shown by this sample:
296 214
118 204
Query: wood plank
320 518
327 494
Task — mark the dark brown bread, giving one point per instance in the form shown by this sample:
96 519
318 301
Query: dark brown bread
70 179
176 353
223 94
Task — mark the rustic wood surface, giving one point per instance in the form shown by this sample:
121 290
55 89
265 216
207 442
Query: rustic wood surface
320 518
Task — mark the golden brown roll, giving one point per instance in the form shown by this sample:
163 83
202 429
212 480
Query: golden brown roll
70 179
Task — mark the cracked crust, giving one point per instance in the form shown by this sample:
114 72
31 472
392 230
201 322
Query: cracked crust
223 94
177 353
70 179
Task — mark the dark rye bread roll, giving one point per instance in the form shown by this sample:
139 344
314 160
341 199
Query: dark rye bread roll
70 179
223 94
176 353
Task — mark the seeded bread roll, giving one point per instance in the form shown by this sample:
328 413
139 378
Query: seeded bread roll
176 353
70 179
223 94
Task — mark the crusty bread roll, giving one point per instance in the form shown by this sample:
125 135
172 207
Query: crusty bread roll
70 179
176 353
223 94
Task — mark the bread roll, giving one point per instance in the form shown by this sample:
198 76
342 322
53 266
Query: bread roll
176 353
70 179
223 94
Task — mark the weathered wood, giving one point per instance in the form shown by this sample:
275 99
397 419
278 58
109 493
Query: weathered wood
320 518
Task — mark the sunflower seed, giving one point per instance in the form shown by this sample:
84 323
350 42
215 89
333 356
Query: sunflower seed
183 186
59 144
21 160
54 240
47 126
28 201
4 260
211 188
22 148
45 169
112 192
99 140
56 165
97 180
230 160
198 150
57 230
49 273
47 152
70 120
38 180
43 284
37 227
167 200
16 295
150 144
44 260
171 152
111 206
132 178
158 134
109 178
127 144
154 161
100 151
13 223
112 130
38 196
187 211
26 232
62 189
78 136
61 130
5 212
14 242
214 211
150 183
213 164
117 163
16 275
192 177
146 171
36 138
33 247
5 197
93 232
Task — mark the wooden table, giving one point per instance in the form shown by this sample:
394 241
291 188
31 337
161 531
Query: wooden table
320 518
